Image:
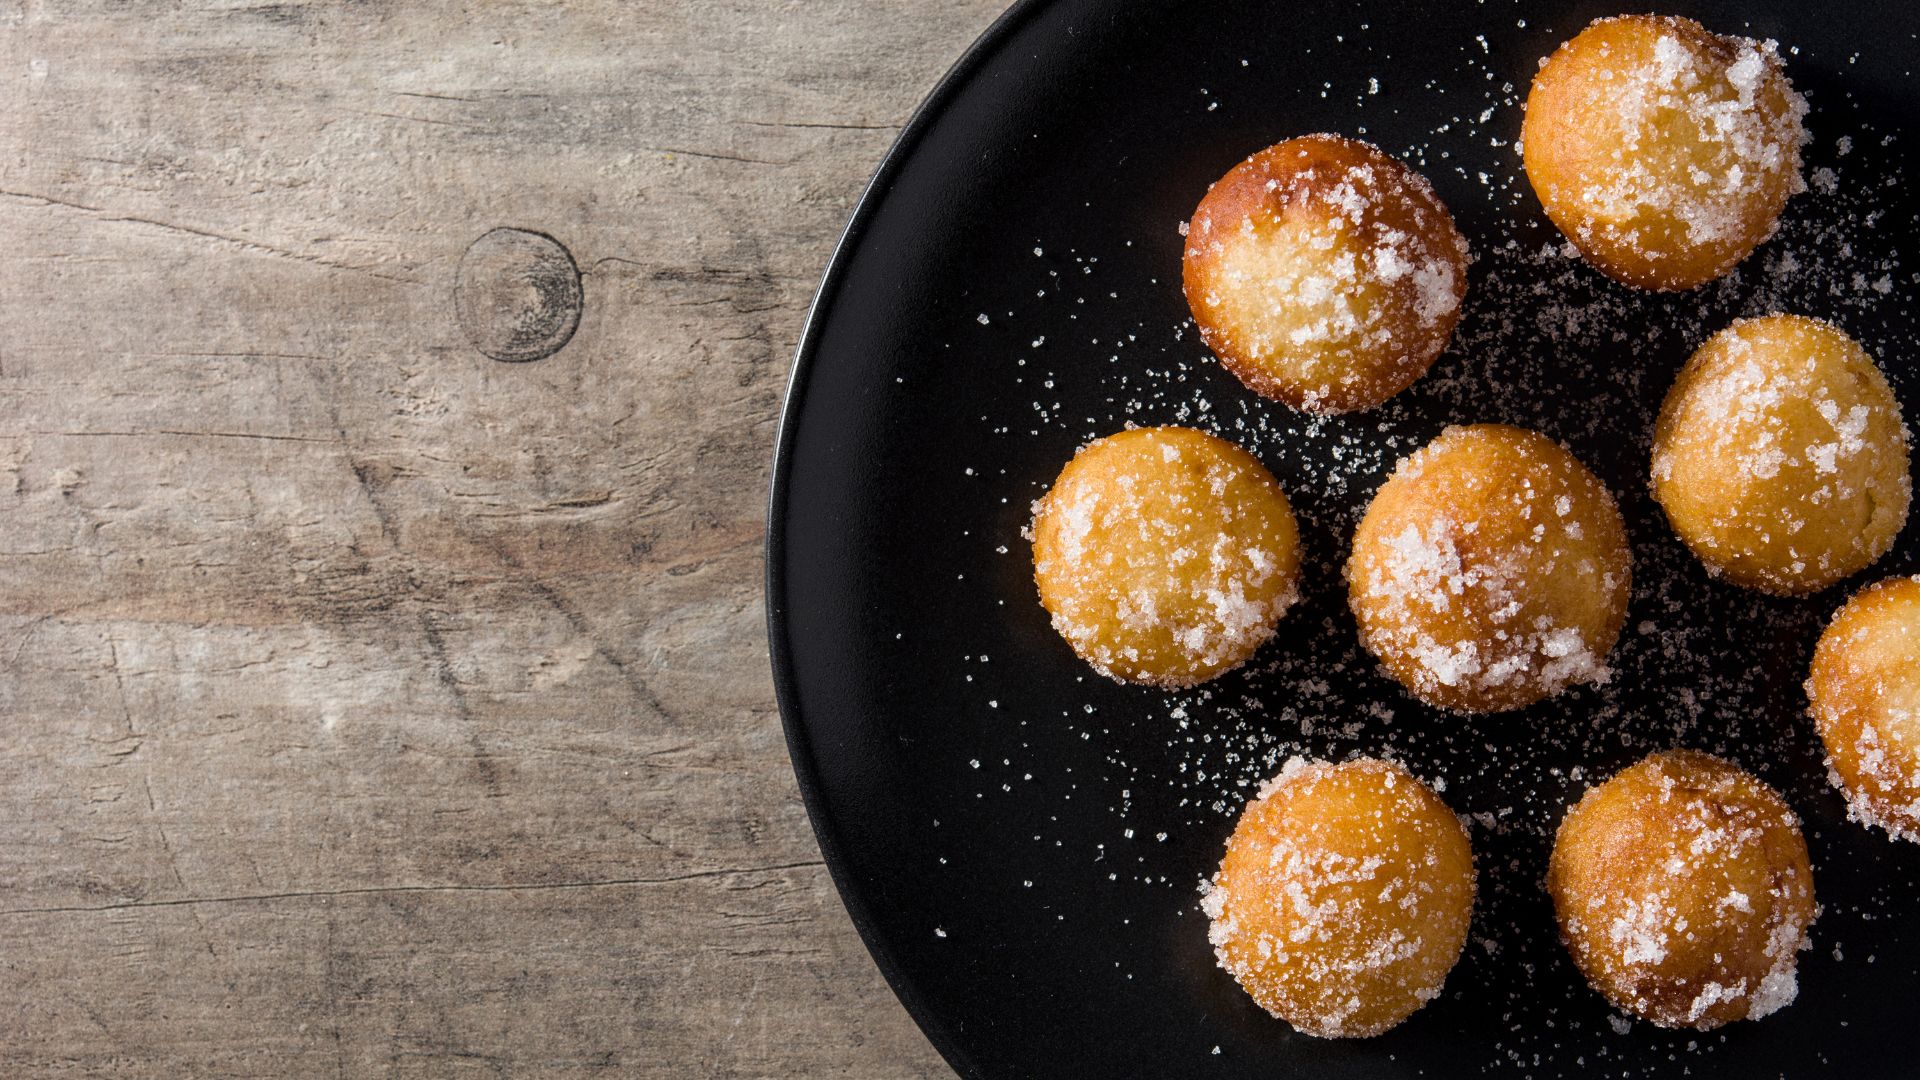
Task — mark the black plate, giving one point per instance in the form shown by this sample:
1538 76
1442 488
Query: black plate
1018 840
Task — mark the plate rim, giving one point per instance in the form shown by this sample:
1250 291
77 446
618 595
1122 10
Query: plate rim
779 643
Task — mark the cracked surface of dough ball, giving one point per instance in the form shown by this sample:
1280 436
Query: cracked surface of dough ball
1663 151
1491 570
1324 273
1165 555
1344 898
1780 456
1683 891
1864 690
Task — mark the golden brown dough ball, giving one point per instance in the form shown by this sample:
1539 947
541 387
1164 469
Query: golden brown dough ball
1780 457
1165 555
1490 571
1324 273
1683 891
1665 152
1344 898
1865 693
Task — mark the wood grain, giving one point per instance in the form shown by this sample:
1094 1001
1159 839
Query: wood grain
371 707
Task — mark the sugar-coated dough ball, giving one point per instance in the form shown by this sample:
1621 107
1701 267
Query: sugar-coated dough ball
1780 457
1324 273
1344 898
1865 694
1665 152
1165 555
1490 571
1683 891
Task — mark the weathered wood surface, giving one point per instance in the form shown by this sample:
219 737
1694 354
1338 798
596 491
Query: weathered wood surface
370 707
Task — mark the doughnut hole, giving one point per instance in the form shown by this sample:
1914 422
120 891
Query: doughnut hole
1324 273
1864 691
1165 556
1491 571
1663 151
1344 898
1683 891
1780 456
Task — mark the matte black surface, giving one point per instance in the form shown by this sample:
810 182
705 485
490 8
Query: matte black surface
973 785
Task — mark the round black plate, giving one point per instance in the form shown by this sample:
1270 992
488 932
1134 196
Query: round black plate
1020 841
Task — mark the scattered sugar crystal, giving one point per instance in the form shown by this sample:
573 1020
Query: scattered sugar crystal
1544 343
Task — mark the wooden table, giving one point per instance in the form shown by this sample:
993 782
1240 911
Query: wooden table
371 706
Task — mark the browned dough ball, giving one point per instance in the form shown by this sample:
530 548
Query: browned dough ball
1865 694
1780 456
1490 571
1344 898
1665 152
1683 891
1324 273
1165 555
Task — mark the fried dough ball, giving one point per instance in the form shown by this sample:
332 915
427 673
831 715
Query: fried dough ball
1665 152
1165 555
1683 891
1324 273
1780 456
1344 898
1865 694
1490 571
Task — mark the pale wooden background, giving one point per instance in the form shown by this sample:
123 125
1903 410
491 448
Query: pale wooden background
370 707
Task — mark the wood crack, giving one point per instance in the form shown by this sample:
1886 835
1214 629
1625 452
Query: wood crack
715 155
254 246
185 433
380 890
827 125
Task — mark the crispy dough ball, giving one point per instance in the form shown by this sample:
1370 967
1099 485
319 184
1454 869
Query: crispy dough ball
1324 273
1665 152
1683 891
1344 898
1490 571
1165 555
1780 457
1865 693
